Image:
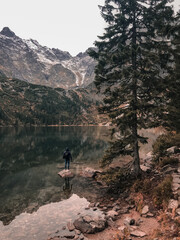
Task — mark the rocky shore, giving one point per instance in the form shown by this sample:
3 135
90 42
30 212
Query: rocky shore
133 214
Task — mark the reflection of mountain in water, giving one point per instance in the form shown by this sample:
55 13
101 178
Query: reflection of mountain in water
30 160
24 148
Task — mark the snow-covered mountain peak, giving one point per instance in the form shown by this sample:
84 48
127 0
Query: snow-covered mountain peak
28 60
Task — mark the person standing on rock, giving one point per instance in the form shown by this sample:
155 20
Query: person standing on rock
67 157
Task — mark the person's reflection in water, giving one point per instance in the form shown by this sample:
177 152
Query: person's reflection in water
67 188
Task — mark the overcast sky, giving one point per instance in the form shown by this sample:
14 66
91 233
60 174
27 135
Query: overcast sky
70 25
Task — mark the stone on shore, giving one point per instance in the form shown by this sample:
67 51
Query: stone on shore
89 172
89 224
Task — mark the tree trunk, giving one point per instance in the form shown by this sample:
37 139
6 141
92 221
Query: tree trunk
136 160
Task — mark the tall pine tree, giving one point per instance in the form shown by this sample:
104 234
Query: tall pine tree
172 116
134 63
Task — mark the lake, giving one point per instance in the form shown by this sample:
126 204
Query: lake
34 200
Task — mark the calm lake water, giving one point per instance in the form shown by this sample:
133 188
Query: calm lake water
34 200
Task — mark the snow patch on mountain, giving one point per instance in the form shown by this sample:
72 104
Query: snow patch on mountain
45 54
28 60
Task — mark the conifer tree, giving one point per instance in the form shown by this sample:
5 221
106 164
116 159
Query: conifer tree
134 63
172 116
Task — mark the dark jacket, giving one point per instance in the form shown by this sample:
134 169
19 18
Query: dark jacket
67 155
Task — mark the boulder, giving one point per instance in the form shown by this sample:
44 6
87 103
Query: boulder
89 224
90 172
65 173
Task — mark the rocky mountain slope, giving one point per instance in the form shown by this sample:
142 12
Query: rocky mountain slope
25 103
29 61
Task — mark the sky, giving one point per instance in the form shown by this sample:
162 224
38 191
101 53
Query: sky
69 25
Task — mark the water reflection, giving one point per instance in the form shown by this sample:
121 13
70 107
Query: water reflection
31 158
67 187
28 147
29 162
46 220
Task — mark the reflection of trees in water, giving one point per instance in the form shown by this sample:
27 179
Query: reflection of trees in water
28 164
28 147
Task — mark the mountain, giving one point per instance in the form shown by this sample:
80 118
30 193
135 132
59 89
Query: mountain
29 61
23 103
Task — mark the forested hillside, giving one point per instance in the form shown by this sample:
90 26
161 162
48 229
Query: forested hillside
24 103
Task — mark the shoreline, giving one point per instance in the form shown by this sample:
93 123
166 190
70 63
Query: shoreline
133 214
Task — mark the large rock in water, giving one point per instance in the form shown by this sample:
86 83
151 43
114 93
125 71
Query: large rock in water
65 173
89 224
90 172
